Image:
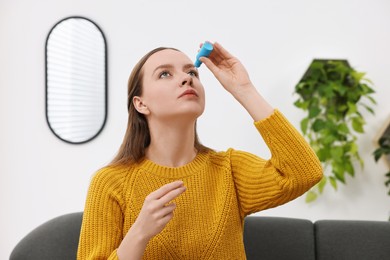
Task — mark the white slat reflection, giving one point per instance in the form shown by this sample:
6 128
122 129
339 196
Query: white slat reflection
76 80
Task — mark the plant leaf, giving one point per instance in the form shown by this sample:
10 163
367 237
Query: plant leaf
343 128
352 109
311 196
371 99
338 171
354 149
366 89
323 154
304 124
337 153
368 80
321 184
333 182
349 167
382 141
314 111
377 154
387 183
369 109
318 125
357 125
329 139
301 104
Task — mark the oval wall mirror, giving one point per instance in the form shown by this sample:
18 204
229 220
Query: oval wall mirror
76 80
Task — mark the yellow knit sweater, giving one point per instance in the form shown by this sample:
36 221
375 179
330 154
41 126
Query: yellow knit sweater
222 188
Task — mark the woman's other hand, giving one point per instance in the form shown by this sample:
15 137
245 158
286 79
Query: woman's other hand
158 208
155 214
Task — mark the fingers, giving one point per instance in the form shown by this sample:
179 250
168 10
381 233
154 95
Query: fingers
209 64
172 195
167 210
158 208
218 57
157 194
167 193
221 51
166 219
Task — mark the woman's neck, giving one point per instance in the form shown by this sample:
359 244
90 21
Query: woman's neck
171 144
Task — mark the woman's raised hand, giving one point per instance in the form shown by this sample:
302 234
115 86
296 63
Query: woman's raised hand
233 76
157 209
227 69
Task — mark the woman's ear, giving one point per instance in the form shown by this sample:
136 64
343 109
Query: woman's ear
140 106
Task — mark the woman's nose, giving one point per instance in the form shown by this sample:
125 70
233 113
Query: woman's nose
187 80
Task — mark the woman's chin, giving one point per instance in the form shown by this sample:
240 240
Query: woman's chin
189 114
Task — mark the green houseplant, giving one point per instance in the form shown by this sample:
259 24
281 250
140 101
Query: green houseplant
332 94
384 150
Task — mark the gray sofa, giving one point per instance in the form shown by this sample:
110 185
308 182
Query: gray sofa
269 238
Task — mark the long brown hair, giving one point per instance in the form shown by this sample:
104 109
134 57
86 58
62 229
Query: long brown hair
137 136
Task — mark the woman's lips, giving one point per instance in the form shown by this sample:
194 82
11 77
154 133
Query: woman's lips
189 92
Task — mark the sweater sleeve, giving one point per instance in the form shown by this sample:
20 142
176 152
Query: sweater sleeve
292 170
101 230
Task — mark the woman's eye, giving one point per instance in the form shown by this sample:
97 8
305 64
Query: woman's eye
164 74
193 73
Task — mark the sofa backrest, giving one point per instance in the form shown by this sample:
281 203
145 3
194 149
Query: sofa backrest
264 237
269 238
352 239
56 239
278 238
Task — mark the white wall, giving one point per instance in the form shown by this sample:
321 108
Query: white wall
42 177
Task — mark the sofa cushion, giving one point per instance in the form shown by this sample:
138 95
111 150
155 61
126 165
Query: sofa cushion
352 239
278 238
56 239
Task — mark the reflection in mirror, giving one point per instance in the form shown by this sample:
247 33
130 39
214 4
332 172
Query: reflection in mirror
76 80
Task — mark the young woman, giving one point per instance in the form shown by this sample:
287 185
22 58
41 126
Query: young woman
165 195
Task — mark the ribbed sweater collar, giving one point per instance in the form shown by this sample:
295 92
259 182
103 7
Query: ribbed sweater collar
199 162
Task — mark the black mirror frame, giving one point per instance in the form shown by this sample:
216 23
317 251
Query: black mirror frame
105 81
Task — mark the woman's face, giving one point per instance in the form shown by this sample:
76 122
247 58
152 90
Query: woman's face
171 87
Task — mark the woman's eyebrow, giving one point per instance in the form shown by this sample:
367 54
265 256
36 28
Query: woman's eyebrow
169 66
188 66
163 66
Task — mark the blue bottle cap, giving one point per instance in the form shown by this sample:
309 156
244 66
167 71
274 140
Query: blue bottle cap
205 51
